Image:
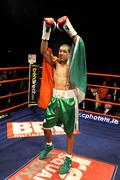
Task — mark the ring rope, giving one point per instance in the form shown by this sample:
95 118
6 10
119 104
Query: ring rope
13 94
99 74
14 68
105 102
14 80
13 107
110 87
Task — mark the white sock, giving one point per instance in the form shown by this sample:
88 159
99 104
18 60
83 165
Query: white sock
50 144
69 155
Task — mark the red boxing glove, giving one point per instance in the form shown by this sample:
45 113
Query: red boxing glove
49 25
63 23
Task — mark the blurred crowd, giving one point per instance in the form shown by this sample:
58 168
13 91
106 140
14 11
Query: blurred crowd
11 88
105 97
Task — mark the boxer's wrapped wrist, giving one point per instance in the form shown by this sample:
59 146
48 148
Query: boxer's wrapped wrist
69 28
46 31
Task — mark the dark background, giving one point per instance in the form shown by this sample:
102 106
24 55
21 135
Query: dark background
97 23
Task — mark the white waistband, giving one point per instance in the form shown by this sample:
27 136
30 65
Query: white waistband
64 94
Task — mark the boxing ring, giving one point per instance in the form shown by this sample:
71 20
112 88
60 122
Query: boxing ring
95 125
19 93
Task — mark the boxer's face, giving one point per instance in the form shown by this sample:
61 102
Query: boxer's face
64 53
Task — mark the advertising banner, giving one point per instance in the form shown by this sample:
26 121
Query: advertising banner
33 90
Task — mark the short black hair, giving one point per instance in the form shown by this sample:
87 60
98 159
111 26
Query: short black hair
66 45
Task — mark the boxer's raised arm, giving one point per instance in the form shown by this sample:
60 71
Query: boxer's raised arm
48 25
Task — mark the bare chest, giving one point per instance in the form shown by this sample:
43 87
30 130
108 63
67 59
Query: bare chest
61 70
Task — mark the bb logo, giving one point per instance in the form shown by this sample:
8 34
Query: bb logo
30 129
24 129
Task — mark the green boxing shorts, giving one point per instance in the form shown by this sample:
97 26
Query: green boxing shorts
62 110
